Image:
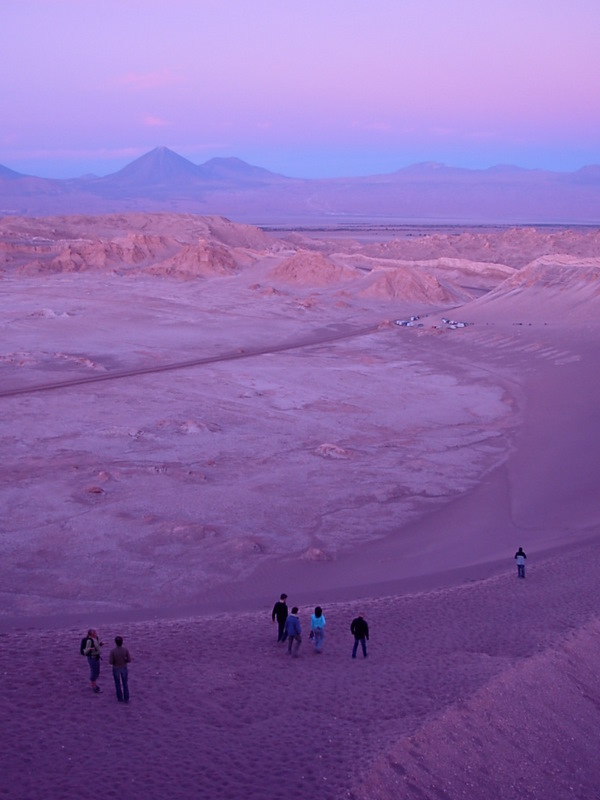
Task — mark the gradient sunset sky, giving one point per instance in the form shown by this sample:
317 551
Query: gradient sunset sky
307 88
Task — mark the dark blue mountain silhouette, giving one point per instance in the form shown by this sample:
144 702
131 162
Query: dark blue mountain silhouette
162 180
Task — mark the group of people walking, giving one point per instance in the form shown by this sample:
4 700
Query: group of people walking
289 628
119 658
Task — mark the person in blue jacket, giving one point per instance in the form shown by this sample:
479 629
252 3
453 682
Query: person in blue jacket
293 632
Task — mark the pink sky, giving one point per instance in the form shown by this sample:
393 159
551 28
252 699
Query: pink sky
310 89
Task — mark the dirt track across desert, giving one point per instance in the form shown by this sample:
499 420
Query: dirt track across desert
130 373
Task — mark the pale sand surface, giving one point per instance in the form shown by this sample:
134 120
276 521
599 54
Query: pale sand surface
486 689
364 467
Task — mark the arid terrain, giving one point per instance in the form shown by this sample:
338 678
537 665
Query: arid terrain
198 415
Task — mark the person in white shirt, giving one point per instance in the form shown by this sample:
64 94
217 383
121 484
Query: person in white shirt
520 557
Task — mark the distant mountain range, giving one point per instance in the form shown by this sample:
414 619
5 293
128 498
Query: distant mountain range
162 180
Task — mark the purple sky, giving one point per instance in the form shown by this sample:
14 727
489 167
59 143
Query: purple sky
308 88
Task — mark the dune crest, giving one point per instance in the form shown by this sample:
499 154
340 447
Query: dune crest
203 259
553 288
406 284
311 269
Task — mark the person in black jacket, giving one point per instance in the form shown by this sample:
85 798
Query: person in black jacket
360 631
280 612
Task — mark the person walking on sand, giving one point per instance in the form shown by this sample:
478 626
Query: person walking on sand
118 659
293 631
280 613
92 652
520 556
360 631
317 629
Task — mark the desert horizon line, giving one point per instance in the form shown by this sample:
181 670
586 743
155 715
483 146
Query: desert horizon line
429 165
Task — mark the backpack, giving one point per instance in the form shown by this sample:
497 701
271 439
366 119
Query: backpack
83 645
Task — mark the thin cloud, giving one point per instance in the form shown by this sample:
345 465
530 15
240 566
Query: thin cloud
155 122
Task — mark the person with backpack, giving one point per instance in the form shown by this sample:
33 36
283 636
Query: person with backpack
90 648
118 659
360 630
520 557
280 613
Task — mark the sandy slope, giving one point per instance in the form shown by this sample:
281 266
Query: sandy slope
365 467
489 686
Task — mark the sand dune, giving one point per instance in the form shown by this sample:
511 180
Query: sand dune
407 284
490 686
311 269
529 730
558 288
201 259
514 247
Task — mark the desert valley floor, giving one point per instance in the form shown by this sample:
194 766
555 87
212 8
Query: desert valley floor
199 415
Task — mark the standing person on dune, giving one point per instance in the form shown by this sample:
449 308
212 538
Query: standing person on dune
293 632
119 659
280 613
317 628
520 557
360 630
91 649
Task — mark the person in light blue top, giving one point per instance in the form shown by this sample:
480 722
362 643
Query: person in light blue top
317 629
